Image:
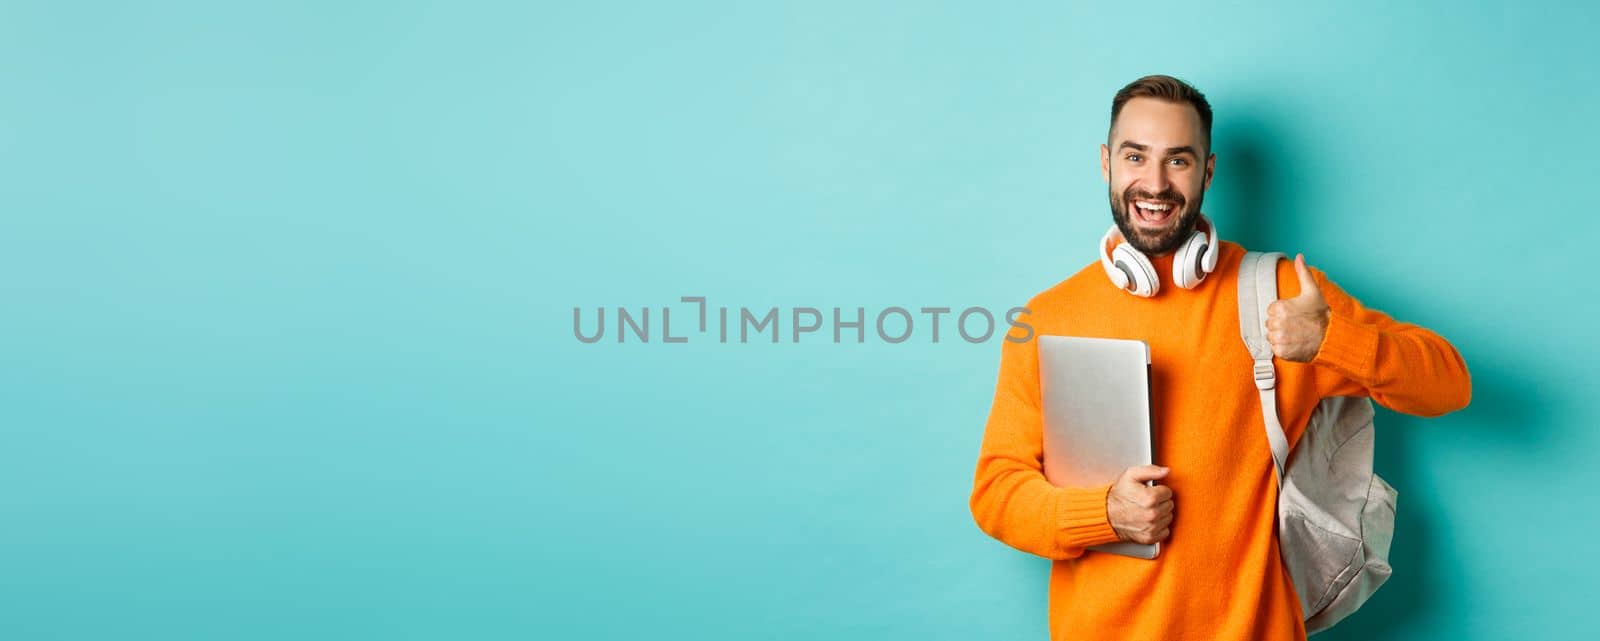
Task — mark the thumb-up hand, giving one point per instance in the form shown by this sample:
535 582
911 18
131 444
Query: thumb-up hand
1140 513
1295 326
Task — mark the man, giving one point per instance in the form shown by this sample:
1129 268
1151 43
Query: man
1219 575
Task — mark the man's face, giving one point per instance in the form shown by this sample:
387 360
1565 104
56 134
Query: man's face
1153 165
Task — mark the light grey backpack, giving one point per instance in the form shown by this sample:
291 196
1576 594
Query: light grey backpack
1335 517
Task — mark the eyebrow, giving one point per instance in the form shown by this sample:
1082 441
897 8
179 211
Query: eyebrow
1171 151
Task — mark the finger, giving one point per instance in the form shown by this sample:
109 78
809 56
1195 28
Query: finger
1163 522
1308 285
1162 535
1142 473
1164 507
1161 493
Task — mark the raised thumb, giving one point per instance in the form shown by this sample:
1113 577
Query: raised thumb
1308 285
1142 473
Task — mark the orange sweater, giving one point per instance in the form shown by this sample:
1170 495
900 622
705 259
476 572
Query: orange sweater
1219 575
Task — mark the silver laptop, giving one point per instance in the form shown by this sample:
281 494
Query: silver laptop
1096 406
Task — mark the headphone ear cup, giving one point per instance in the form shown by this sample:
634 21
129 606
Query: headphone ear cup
1188 267
1142 280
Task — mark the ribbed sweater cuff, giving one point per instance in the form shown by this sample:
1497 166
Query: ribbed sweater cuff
1349 348
1081 517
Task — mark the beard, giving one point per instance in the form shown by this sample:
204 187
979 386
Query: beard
1159 242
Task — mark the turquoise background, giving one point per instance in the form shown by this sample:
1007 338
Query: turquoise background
287 345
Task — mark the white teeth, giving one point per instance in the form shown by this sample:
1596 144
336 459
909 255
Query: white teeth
1154 206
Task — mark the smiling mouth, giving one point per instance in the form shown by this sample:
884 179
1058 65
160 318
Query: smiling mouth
1153 212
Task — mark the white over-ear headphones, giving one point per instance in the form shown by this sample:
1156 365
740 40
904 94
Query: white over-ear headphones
1132 271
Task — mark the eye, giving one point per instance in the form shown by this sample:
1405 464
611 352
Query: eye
1134 157
1181 162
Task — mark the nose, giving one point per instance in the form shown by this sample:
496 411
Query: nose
1153 178
1156 178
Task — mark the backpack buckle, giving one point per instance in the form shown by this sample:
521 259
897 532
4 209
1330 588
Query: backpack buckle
1266 377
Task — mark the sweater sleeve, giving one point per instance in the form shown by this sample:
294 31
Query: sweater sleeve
1402 366
1011 500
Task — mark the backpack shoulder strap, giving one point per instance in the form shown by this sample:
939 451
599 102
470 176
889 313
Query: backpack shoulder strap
1258 287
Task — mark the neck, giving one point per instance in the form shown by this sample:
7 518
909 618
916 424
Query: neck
1163 265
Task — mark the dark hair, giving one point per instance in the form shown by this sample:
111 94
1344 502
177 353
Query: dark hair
1165 88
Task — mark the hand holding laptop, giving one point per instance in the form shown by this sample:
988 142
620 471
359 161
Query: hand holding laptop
1140 513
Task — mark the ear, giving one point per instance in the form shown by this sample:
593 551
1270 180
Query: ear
1105 164
1211 168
